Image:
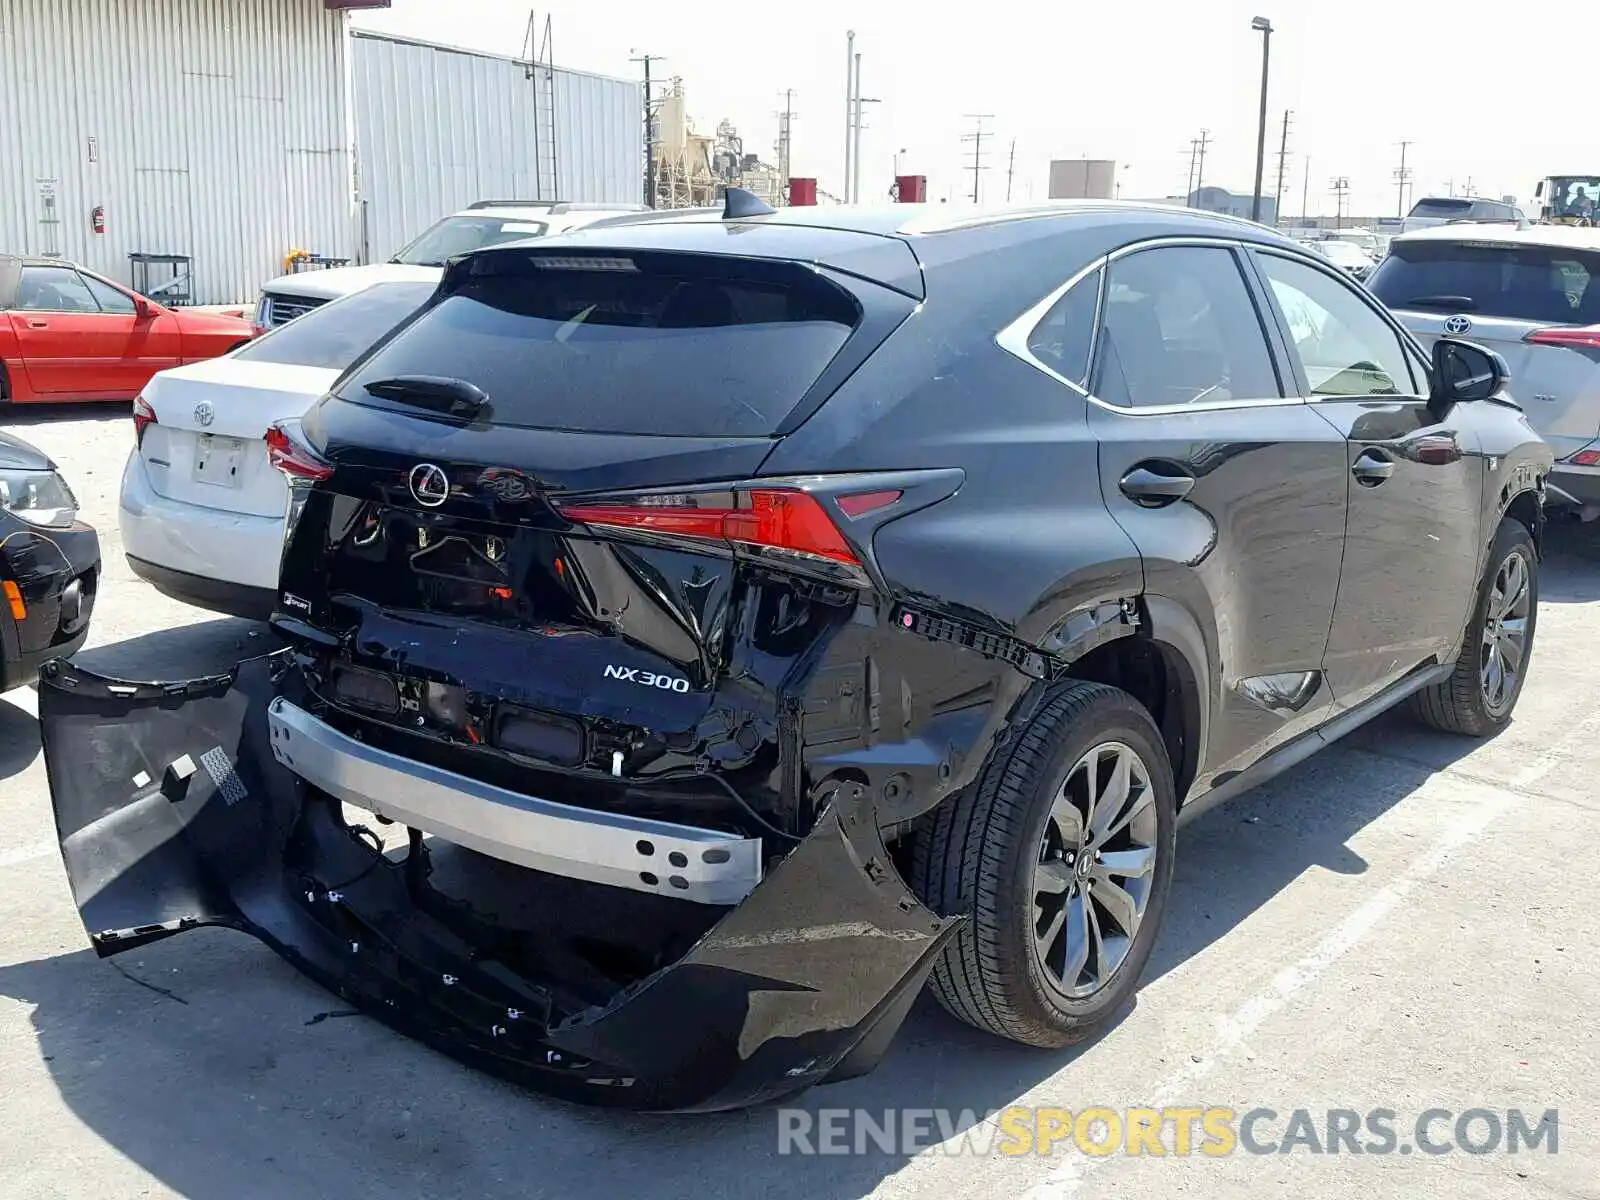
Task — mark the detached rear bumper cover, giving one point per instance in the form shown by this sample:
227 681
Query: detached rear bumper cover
807 980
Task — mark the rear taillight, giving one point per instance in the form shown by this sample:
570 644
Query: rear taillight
1577 337
786 520
143 417
288 452
1584 458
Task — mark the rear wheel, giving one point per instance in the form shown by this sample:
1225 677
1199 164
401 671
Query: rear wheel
1061 855
1478 699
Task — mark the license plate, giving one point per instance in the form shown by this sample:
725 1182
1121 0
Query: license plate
216 460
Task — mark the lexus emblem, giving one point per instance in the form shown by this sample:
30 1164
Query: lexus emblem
430 485
204 413
1457 324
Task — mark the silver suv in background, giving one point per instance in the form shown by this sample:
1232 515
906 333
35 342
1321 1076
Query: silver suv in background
1443 210
485 223
1532 295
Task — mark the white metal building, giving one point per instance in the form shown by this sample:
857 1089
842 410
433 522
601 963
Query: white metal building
438 127
229 132
213 129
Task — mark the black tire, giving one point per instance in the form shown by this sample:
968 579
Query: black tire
1461 704
978 856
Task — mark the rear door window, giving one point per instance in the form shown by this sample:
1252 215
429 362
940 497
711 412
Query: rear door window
334 335
1179 327
1549 285
647 343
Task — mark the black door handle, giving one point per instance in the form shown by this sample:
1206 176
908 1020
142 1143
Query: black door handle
1151 489
1371 469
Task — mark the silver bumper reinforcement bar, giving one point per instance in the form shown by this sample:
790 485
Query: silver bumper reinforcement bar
704 865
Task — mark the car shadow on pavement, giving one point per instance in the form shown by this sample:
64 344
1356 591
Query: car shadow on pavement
18 415
1571 552
19 739
224 1074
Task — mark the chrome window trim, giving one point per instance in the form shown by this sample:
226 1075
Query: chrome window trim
1013 339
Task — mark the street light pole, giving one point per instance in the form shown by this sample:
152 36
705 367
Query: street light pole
1265 27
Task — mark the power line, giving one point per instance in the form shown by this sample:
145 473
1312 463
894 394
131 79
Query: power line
1200 163
976 138
1283 158
1402 179
1341 189
649 131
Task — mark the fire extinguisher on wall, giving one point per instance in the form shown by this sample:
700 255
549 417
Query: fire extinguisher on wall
97 218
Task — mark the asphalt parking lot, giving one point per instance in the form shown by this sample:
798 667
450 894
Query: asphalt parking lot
1405 922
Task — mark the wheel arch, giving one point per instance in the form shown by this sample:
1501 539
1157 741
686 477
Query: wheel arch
1527 509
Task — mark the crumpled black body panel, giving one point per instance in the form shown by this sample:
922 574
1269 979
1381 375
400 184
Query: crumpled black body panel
806 981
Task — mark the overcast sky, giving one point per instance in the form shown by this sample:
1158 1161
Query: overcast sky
1496 99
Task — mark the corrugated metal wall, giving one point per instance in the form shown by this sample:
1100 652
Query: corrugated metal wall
216 130
437 128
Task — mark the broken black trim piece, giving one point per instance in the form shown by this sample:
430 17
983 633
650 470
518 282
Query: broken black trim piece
806 980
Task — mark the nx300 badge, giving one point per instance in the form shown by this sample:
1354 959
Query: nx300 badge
647 678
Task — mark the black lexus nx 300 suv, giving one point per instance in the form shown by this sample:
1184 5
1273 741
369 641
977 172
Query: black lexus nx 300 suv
705 631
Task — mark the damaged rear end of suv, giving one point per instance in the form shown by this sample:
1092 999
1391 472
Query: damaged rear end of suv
592 740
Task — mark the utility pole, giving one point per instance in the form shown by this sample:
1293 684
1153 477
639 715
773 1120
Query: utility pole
976 138
854 195
1200 165
649 131
1402 177
1305 195
1011 166
1283 157
1341 189
1468 193
1188 184
850 106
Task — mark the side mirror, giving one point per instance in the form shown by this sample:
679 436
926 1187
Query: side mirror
143 309
1466 371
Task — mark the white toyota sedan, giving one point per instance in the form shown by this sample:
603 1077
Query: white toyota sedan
202 509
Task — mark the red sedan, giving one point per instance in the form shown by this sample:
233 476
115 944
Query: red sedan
68 334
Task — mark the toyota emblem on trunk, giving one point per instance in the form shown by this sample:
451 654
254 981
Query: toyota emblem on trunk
204 413
1457 324
429 485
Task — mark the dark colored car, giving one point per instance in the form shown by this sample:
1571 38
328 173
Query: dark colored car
49 564
785 609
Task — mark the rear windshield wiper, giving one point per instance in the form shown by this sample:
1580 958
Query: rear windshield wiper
439 393
1453 303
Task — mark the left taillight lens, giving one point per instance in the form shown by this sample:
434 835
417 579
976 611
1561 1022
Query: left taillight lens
1573 337
289 452
783 521
144 416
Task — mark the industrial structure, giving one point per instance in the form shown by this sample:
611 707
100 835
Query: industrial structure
690 170
213 139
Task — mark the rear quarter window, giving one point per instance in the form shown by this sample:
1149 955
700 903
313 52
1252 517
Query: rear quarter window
1553 285
668 344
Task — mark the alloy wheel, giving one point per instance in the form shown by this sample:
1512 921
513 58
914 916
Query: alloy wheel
1504 651
1095 868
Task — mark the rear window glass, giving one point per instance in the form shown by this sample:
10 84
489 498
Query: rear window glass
1453 209
648 344
334 335
1528 283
